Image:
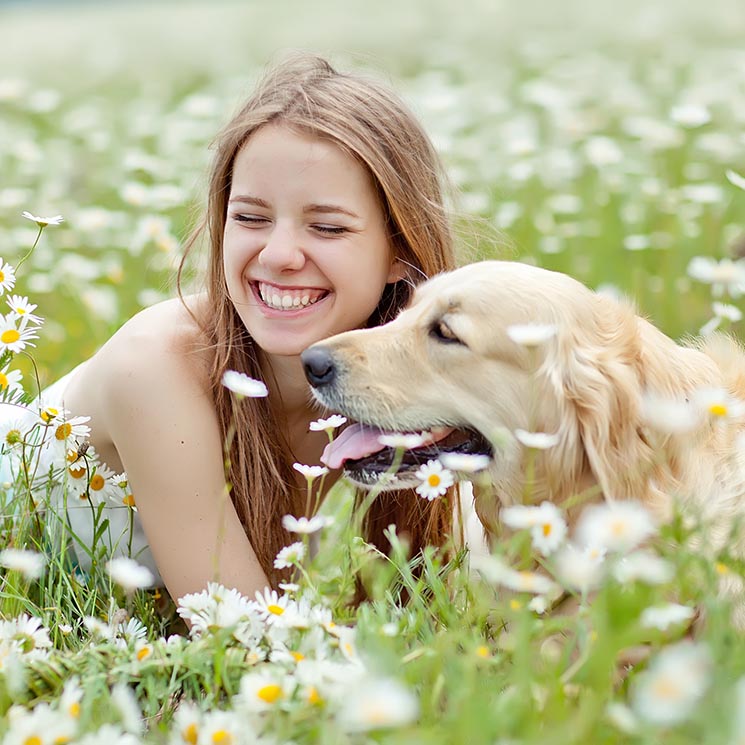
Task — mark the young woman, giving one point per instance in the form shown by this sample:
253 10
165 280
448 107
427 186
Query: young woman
324 207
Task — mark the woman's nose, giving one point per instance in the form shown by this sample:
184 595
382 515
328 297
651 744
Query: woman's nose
282 251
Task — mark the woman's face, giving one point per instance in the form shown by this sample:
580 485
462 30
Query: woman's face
305 249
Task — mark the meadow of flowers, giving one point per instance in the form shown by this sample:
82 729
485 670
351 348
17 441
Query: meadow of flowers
607 144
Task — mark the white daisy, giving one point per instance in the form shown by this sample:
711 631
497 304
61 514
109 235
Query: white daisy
662 617
7 276
128 574
67 431
28 633
580 569
729 312
244 386
718 404
102 486
531 334
643 566
225 728
735 179
464 462
21 308
327 425
305 526
127 708
29 563
494 570
546 523
667 415
310 472
615 526
263 691
435 480
667 692
377 703
13 338
725 275
10 380
42 222
536 440
270 606
290 556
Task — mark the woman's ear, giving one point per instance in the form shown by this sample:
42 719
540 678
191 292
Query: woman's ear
397 272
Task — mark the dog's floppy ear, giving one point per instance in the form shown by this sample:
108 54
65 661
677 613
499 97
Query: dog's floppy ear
592 368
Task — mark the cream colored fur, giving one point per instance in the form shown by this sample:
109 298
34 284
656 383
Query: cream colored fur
587 384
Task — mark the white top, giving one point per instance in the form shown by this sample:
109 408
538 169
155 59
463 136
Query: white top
81 514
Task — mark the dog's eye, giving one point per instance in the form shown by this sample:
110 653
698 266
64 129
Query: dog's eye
443 333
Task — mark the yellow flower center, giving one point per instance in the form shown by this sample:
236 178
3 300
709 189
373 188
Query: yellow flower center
222 737
190 734
297 656
515 604
721 568
3 381
77 473
97 482
61 740
718 410
9 336
483 651
19 311
269 693
63 431
34 739
547 528
129 500
313 696
144 653
666 689
13 437
433 479
2 276
48 414
618 527
276 610
74 709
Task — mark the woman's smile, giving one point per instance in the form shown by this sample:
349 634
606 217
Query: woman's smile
287 302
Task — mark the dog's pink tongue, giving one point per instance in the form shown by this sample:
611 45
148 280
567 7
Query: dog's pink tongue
356 441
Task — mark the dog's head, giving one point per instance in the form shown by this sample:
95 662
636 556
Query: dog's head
448 365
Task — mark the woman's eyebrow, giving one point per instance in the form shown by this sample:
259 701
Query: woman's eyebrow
327 209
248 199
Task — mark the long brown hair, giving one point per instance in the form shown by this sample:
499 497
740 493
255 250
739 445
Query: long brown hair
371 123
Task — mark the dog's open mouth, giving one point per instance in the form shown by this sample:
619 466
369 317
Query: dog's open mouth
369 462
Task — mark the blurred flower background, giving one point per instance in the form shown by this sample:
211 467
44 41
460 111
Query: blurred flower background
589 137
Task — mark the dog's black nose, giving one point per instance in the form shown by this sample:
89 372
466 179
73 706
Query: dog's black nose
318 365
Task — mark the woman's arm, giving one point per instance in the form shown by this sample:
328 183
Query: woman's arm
152 401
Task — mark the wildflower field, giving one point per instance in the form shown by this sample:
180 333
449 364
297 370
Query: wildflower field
605 142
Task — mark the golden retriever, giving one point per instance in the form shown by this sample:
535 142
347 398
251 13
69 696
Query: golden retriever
635 415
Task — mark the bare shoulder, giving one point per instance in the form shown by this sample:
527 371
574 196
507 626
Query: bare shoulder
162 345
156 362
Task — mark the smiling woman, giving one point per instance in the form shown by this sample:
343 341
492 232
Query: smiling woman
325 208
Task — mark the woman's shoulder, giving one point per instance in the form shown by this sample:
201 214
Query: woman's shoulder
161 345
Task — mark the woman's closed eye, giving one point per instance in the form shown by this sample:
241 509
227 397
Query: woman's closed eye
329 230
251 220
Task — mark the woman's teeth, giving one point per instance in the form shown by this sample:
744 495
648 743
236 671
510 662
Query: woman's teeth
288 299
